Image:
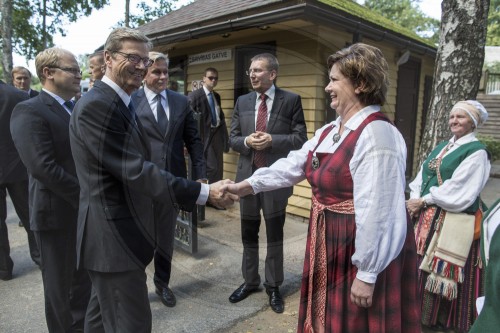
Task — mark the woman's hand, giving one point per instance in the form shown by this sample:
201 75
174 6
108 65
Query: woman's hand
362 293
414 206
240 189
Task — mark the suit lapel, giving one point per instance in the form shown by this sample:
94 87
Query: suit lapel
54 106
144 109
276 109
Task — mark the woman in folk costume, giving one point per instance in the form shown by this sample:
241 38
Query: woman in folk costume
360 272
450 180
487 306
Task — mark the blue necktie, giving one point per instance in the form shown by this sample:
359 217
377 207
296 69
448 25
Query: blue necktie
212 108
161 115
69 104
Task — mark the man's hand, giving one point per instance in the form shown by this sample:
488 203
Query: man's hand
362 293
240 189
218 197
259 140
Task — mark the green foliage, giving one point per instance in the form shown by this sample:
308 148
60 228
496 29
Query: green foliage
492 145
407 14
493 35
34 22
150 13
492 67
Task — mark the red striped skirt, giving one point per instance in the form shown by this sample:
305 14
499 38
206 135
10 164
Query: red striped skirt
396 305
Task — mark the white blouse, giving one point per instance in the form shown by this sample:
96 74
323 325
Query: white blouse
466 183
378 171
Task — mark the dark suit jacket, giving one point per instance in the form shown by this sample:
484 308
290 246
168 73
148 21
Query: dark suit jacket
40 129
167 149
199 104
286 125
118 184
33 93
12 169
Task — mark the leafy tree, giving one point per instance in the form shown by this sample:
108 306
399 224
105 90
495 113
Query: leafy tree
493 36
148 13
34 22
407 14
458 68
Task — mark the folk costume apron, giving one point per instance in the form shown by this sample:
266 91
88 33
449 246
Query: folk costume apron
328 274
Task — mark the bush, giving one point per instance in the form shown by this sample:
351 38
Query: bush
492 145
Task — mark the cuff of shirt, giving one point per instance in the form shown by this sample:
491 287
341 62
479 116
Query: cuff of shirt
245 142
204 192
428 199
366 276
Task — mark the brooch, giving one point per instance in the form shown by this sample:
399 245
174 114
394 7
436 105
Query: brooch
315 163
336 137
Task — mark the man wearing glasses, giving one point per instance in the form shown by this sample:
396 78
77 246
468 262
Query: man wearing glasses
116 230
213 130
40 130
267 124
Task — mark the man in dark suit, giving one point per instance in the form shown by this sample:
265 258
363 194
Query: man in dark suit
40 130
262 137
21 79
14 179
206 102
170 125
116 230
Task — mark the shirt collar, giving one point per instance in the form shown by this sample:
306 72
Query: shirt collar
464 139
206 90
269 92
123 95
56 97
150 94
356 120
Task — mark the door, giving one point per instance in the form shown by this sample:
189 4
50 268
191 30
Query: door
407 107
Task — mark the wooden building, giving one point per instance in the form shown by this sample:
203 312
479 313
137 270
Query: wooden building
225 34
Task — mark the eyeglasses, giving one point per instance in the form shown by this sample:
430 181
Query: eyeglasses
135 59
212 78
255 70
74 71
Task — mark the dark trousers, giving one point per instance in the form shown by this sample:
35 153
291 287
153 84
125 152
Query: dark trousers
66 289
165 219
274 213
118 303
214 155
18 193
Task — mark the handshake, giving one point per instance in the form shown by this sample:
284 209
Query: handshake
225 192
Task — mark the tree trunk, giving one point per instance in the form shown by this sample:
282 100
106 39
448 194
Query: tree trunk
6 28
458 68
127 13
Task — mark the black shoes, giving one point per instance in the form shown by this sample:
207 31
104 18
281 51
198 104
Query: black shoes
167 296
241 293
275 299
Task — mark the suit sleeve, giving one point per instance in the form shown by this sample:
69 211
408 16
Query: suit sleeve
109 138
193 144
297 136
236 137
34 141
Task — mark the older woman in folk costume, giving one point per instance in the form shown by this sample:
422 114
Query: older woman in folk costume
360 263
450 180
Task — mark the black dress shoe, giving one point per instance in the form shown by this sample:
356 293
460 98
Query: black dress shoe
275 300
167 296
6 276
20 224
241 293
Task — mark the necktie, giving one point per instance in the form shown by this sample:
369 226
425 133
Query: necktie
212 108
69 104
161 116
259 158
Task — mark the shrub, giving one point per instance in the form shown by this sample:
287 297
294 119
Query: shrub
492 145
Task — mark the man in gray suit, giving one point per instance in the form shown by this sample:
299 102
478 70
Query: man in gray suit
14 179
169 122
116 236
40 130
266 125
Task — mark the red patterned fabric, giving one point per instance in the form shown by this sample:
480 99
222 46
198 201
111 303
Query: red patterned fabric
259 158
395 301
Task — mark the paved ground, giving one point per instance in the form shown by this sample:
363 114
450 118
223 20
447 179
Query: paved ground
202 283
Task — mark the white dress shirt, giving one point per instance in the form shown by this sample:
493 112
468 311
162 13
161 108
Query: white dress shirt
378 172
151 96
